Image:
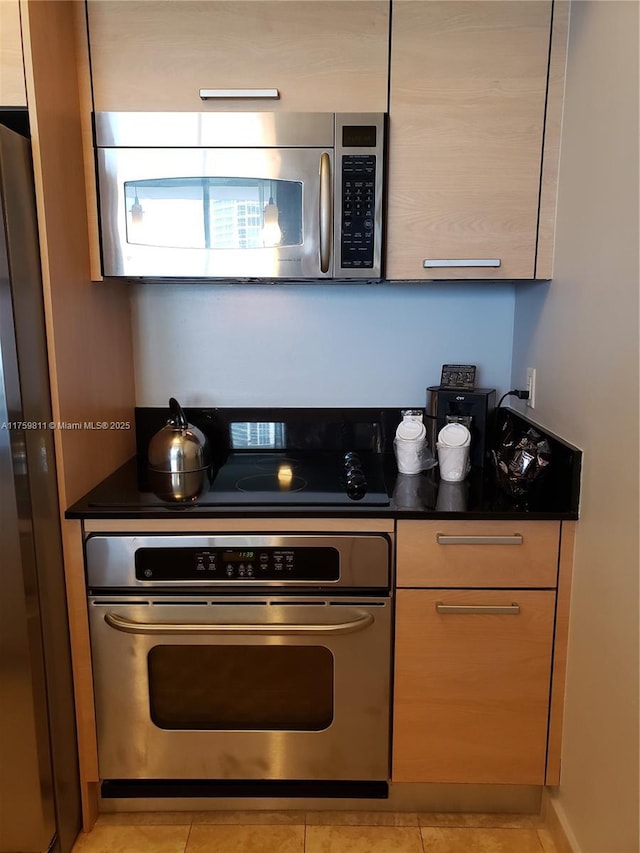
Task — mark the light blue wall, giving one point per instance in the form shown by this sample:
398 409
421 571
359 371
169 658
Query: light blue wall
315 345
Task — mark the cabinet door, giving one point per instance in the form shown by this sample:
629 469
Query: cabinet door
321 56
467 107
472 685
12 88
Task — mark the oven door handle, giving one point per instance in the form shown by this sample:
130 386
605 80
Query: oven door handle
130 627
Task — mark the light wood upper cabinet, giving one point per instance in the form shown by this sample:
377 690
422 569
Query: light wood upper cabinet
12 87
322 55
467 125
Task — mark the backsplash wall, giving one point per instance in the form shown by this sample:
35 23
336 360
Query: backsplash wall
315 345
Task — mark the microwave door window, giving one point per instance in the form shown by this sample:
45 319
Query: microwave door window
214 213
211 213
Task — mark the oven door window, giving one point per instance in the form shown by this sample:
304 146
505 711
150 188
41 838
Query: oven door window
243 687
213 213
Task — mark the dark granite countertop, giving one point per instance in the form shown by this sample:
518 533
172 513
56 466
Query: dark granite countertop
124 495
417 496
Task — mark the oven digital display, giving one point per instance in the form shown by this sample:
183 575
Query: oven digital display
238 556
184 565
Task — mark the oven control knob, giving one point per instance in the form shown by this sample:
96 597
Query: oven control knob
356 478
356 491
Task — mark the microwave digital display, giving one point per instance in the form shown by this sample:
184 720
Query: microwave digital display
359 136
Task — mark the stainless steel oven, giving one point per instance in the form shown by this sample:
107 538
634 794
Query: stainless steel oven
230 658
241 195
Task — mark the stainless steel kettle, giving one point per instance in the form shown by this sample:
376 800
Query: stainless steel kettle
179 458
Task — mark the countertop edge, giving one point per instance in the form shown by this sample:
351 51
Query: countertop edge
192 513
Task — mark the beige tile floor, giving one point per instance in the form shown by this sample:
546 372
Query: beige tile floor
314 832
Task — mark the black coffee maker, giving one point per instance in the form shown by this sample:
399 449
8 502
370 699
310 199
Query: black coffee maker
475 409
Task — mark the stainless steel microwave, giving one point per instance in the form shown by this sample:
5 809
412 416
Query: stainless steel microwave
241 195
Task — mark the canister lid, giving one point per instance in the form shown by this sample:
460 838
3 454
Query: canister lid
454 435
409 430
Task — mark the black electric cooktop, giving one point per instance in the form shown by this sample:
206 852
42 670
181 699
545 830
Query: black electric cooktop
262 479
323 478
287 478
313 478
271 457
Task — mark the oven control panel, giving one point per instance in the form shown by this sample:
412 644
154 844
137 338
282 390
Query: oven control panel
237 564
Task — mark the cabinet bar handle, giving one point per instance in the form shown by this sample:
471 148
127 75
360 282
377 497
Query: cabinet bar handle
435 263
443 539
207 94
480 609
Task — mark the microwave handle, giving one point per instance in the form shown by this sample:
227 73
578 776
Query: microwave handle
326 207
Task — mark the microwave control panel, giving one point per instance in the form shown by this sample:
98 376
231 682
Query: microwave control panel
359 157
358 210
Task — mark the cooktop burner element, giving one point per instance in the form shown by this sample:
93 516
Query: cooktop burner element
283 480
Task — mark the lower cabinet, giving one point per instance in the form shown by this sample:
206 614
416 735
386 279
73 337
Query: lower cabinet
472 685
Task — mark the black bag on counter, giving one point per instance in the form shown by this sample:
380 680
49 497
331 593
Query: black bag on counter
521 457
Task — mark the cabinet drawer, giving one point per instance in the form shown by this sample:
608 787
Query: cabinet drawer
472 674
477 553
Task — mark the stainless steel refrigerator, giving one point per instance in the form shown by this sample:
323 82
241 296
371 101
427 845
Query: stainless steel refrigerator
39 788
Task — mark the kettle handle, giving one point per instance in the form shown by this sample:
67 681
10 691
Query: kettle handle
177 414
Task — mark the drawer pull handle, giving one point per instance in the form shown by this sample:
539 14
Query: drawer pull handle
209 94
444 539
440 263
480 609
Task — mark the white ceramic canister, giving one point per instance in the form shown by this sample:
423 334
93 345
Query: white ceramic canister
454 440
410 445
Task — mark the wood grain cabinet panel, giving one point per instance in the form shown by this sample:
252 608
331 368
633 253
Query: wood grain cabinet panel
467 109
13 92
322 55
472 687
510 554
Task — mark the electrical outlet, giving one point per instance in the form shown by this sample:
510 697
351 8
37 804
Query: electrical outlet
531 387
